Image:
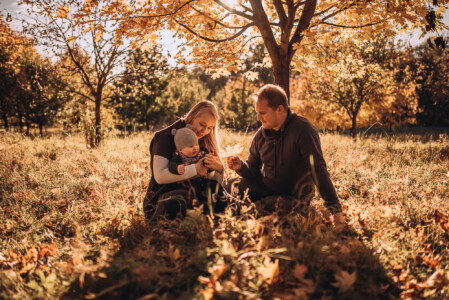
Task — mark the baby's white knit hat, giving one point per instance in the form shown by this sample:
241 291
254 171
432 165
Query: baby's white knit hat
184 137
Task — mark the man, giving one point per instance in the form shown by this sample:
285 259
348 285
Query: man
285 162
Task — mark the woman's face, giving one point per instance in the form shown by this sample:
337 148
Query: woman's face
203 124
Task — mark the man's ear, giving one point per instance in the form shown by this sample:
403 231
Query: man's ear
280 109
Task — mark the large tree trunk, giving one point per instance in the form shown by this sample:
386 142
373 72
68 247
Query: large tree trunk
354 126
97 137
5 121
281 72
20 123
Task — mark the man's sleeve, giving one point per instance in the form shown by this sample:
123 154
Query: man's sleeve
251 167
310 147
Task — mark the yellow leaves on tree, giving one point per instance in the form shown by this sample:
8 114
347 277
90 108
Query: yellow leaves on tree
62 12
218 33
70 39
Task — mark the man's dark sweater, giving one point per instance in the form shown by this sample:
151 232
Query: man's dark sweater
287 161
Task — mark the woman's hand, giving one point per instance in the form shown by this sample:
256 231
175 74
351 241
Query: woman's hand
213 162
201 169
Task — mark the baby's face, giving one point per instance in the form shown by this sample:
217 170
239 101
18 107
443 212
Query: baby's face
190 151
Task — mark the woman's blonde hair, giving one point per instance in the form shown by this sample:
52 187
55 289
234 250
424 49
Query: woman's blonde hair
210 140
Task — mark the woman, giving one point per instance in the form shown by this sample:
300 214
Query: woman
169 194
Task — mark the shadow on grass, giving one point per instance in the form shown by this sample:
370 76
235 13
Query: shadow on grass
328 262
162 260
292 257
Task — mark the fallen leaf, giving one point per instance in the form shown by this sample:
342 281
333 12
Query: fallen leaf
442 219
299 271
218 270
46 250
269 270
345 280
436 280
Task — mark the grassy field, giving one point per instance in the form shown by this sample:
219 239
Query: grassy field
71 226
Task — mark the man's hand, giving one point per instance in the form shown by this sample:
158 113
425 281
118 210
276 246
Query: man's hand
181 169
234 163
201 169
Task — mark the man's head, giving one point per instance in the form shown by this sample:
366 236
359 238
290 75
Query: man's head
271 106
186 141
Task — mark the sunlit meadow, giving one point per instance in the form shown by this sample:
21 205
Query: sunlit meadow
71 226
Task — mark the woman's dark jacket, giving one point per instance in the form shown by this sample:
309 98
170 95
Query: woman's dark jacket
162 144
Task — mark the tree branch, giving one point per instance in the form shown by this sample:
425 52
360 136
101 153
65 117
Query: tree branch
349 26
217 21
304 22
263 24
234 36
158 16
234 11
281 12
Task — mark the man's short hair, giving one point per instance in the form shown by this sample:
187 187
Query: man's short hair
274 95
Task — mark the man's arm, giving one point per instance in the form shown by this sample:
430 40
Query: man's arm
310 146
250 168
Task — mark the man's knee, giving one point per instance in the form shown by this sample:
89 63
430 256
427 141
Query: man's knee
281 204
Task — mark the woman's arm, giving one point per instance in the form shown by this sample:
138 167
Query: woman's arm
213 162
215 176
163 176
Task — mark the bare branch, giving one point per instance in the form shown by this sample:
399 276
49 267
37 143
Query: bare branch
263 24
324 11
234 36
217 21
247 9
281 12
338 12
350 26
299 4
304 22
234 11
158 16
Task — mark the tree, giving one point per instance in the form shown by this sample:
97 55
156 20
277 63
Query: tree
143 82
39 98
11 48
62 27
182 92
291 30
366 81
237 107
431 71
352 80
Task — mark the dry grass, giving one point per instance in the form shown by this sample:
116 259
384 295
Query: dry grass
71 226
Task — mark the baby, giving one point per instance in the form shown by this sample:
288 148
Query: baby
187 150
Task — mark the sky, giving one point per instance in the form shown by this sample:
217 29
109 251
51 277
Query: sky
166 39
